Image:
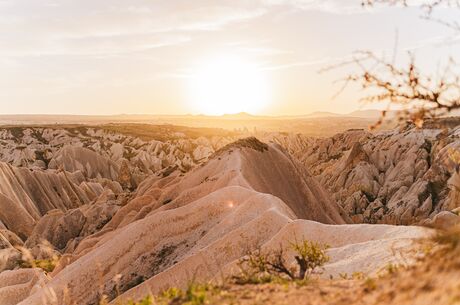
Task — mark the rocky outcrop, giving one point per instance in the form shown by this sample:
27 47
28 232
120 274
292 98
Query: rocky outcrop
26 195
159 213
88 162
9 239
16 285
443 221
396 177
454 186
97 152
197 225
59 185
57 227
62 230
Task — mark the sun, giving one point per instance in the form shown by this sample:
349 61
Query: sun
228 85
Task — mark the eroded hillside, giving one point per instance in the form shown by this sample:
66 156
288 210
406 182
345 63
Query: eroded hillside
395 177
136 216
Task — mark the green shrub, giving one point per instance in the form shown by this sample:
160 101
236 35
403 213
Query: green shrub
196 294
262 267
47 265
310 256
370 284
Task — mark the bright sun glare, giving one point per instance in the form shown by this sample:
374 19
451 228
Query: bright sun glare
228 85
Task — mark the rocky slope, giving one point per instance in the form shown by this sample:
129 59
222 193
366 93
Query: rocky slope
108 151
432 280
62 183
25 196
46 168
396 177
137 213
197 225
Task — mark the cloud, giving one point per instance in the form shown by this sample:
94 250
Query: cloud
327 6
37 27
329 61
72 27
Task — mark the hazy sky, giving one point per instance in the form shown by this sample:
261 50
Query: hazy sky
136 56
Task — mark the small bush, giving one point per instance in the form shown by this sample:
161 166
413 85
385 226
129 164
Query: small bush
370 284
310 256
343 275
392 268
47 265
259 267
148 300
357 275
172 293
196 294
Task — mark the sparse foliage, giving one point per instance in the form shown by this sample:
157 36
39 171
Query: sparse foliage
265 266
454 155
310 255
428 5
419 96
148 300
370 284
196 294
392 268
47 265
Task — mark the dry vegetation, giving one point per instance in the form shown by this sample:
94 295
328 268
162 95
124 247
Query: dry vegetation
145 132
434 279
149 132
418 95
261 266
250 142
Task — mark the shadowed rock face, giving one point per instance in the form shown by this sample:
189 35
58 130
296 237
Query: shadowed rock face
71 169
197 225
98 152
88 162
397 177
25 196
57 228
196 212
390 177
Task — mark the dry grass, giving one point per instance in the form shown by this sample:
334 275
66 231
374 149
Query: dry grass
433 280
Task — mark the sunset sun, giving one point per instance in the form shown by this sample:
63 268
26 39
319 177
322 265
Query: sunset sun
227 85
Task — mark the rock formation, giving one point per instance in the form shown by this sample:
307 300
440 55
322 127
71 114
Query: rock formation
197 225
139 216
396 177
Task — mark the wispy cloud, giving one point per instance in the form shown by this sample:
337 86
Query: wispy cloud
327 6
113 26
320 61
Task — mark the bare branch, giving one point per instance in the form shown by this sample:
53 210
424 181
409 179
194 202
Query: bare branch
420 96
429 6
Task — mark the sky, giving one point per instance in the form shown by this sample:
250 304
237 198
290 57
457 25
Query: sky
141 56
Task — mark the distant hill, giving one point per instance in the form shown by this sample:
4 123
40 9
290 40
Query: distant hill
370 113
322 114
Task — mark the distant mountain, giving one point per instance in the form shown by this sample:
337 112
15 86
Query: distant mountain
370 113
322 114
365 114
240 116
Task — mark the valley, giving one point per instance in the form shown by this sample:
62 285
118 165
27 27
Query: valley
139 209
